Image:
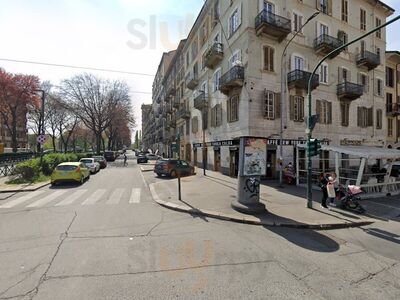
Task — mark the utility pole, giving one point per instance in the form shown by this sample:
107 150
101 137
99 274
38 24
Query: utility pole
204 148
41 128
310 117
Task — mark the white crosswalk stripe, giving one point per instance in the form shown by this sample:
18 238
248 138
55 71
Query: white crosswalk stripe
72 198
115 196
22 199
47 199
93 198
135 196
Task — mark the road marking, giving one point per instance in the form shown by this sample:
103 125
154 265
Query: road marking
75 196
94 197
382 204
135 196
115 196
22 199
47 199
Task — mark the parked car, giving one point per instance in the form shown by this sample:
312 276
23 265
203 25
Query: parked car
173 168
91 164
101 160
152 156
70 172
142 159
110 155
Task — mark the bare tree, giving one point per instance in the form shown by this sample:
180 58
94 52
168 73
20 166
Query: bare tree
95 101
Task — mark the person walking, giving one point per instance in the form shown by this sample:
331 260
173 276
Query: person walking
125 160
323 181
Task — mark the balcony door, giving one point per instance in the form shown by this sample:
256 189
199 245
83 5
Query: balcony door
269 7
298 63
323 29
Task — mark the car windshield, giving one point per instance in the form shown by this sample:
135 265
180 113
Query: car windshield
87 161
66 168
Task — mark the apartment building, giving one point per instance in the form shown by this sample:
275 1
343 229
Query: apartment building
392 95
231 62
22 132
146 136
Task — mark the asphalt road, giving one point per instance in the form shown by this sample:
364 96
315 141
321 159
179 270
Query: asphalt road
107 239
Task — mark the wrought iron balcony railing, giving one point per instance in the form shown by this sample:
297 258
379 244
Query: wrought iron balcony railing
299 79
272 24
232 79
349 90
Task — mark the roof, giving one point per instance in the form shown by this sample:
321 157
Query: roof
363 151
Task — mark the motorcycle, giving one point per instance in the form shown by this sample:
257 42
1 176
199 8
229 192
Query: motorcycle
348 199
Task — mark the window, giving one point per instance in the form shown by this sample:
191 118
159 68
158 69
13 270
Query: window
324 110
234 22
216 115
269 7
194 50
389 102
187 59
203 34
323 73
323 6
345 112
379 87
344 75
236 56
269 58
363 19
272 105
389 77
216 80
345 11
195 125
364 80
364 117
297 22
344 37
233 109
298 63
203 60
379 119
296 108
323 29
390 126
378 33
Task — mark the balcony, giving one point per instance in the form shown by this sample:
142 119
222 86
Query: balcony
299 79
200 101
232 79
214 55
368 59
171 89
272 25
349 91
325 44
183 113
192 81
393 109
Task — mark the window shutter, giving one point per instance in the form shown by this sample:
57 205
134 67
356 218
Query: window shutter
359 116
240 14
271 59
318 4
340 75
318 110
277 105
370 117
367 87
329 108
291 107
266 57
330 7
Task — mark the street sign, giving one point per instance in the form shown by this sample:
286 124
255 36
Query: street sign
41 139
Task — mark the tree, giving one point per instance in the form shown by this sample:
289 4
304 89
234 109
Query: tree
136 145
18 92
95 101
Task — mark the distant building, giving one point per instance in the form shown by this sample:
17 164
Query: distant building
146 137
22 132
392 94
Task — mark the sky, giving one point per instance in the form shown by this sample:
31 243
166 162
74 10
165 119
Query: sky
126 35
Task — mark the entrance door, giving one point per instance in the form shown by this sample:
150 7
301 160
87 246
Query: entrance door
234 163
195 157
217 160
271 164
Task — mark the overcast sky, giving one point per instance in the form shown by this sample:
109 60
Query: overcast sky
127 35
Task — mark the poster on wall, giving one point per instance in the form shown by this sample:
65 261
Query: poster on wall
255 153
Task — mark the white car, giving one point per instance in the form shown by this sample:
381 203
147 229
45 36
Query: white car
152 156
91 164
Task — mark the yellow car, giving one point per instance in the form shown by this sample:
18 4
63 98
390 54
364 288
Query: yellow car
70 172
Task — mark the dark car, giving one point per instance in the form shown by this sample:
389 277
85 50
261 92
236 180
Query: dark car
173 168
110 155
142 159
101 160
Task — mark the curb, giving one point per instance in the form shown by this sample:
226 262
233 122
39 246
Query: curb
25 190
227 217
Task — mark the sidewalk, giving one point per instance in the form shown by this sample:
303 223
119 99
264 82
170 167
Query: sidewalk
212 195
15 188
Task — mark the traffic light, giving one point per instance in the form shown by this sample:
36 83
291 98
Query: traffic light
313 147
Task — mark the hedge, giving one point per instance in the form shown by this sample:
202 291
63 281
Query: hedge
30 170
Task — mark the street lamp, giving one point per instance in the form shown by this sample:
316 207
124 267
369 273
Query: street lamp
41 129
310 117
283 93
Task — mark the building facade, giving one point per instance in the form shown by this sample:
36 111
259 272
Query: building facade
392 95
227 77
22 132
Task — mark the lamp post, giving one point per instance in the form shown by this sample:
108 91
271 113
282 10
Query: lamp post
41 129
283 94
309 123
204 140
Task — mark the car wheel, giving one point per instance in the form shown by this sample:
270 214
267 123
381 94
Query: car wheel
53 184
172 174
158 175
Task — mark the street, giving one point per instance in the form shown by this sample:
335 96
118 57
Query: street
108 239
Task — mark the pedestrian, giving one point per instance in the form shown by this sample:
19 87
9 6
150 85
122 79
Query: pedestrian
332 187
125 160
323 182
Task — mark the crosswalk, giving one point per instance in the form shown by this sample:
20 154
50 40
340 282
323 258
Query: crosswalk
84 197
